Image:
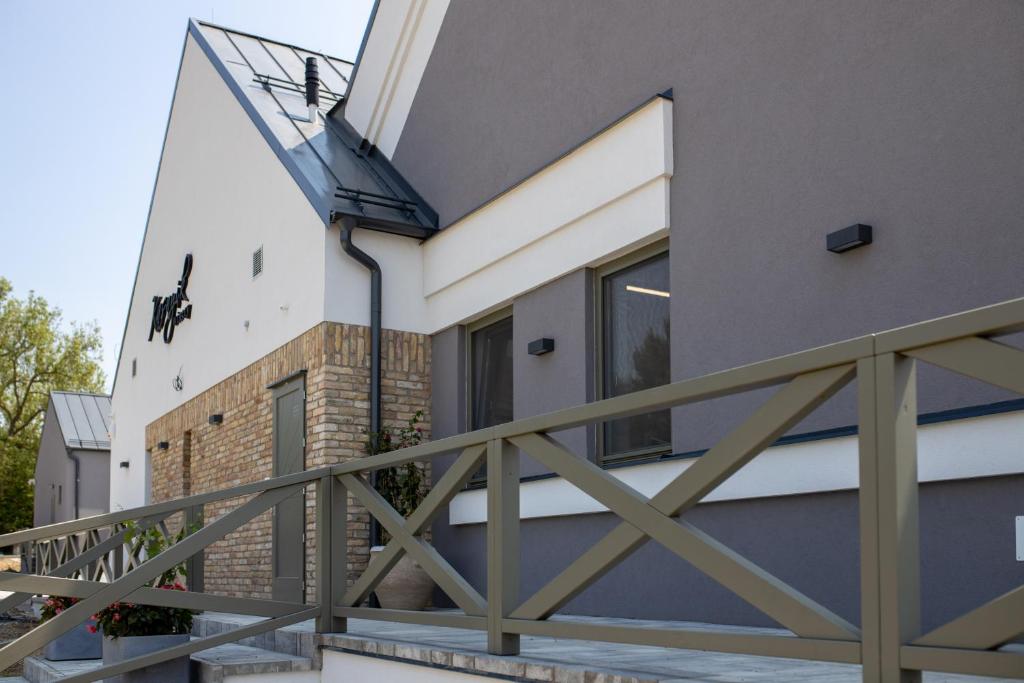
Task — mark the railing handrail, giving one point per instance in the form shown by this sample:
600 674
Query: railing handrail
99 521
888 642
756 375
1000 318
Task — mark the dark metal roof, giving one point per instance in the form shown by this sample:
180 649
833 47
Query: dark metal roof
326 158
84 419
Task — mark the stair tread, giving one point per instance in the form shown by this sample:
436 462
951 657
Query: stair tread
235 655
239 620
230 658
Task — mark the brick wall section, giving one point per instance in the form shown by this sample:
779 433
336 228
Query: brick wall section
336 360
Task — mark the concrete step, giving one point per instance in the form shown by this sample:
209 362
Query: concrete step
39 670
298 639
208 666
213 665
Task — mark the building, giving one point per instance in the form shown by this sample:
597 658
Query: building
568 202
73 467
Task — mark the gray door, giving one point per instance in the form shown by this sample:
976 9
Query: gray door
289 520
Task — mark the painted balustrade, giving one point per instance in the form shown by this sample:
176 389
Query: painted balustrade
87 559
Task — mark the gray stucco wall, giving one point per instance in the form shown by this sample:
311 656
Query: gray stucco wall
53 469
561 310
94 488
791 118
809 541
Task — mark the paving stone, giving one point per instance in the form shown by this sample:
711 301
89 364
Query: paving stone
558 660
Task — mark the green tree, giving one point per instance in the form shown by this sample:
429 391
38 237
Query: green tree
36 357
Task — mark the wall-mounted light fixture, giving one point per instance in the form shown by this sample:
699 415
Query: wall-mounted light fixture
538 347
163 445
124 464
848 238
216 419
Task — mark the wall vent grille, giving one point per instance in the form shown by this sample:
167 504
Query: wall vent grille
257 261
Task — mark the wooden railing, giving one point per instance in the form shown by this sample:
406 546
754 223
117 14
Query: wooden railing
888 644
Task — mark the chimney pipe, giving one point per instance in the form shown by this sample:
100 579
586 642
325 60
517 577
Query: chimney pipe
312 87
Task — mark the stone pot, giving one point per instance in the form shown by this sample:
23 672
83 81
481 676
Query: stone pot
407 585
117 650
77 643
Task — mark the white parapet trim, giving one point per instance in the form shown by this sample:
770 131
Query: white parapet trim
344 667
277 677
984 446
391 67
602 199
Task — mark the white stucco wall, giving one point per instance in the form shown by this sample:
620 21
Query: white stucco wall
342 667
575 213
220 193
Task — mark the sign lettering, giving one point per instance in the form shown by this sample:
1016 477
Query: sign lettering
168 312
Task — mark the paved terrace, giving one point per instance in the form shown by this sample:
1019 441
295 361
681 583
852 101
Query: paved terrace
573 661
543 659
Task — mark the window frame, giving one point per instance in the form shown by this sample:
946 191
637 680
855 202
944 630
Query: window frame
504 313
650 453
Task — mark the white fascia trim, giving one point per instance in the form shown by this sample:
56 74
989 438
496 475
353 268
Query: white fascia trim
607 197
391 68
962 449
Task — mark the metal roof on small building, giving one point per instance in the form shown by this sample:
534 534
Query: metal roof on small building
326 157
84 419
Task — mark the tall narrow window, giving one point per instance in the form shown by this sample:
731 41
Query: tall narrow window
490 351
635 354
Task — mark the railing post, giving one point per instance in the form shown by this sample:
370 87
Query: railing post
890 552
119 552
331 552
502 544
196 565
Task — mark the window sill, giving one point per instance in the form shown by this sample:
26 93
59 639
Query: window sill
981 446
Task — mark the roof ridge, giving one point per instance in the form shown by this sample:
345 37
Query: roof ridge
79 393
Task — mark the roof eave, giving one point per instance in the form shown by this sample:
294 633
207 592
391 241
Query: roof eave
391 227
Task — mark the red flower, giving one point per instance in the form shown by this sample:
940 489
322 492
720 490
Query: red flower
91 628
117 616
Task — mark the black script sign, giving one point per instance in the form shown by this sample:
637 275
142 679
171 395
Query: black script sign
167 310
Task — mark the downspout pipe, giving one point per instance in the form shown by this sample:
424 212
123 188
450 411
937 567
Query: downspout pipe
348 224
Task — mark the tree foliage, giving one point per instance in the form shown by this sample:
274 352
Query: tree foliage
36 357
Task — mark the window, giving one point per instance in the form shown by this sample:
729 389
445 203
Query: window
635 354
490 378
490 374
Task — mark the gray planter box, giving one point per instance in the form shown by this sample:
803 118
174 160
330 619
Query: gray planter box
117 650
77 643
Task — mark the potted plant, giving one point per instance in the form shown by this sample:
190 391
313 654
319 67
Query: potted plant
81 642
131 630
407 586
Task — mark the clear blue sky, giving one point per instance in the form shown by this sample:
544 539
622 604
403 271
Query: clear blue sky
86 91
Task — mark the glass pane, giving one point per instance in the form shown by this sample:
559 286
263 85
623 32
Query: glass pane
491 375
636 351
